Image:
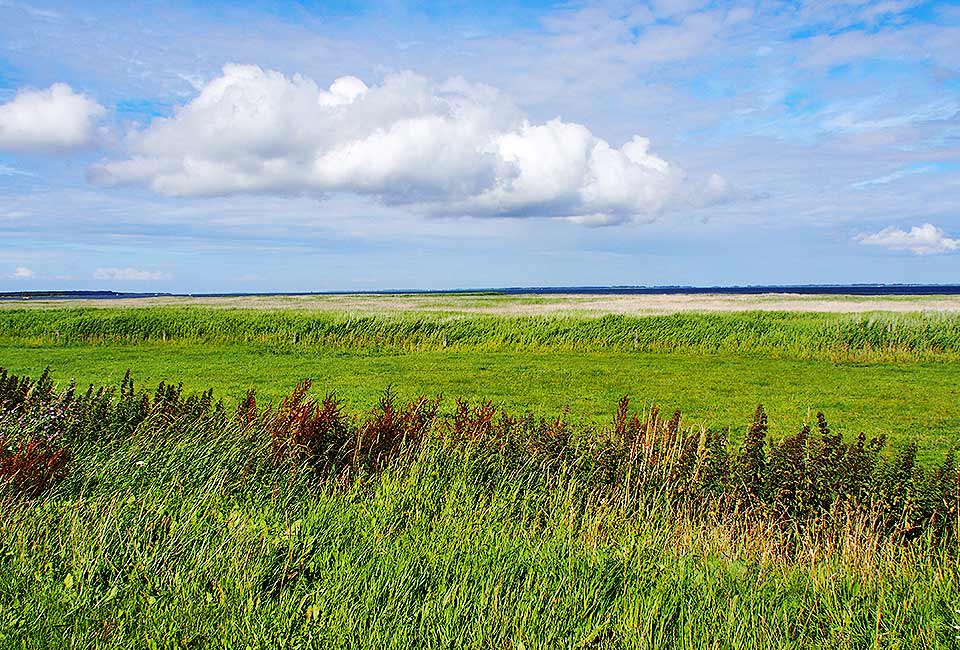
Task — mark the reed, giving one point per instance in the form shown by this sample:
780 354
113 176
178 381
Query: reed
872 337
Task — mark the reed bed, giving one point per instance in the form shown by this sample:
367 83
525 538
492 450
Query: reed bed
162 518
880 336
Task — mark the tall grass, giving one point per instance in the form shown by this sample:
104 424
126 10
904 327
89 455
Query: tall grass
178 522
878 336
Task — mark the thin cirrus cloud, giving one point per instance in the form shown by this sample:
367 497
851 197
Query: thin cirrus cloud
55 118
451 148
920 240
128 274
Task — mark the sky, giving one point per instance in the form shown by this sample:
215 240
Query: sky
316 146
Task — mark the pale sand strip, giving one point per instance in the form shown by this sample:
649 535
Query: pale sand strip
531 304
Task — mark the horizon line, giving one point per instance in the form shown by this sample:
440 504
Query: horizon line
867 288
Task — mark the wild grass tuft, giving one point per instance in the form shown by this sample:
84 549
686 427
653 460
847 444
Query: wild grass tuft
177 522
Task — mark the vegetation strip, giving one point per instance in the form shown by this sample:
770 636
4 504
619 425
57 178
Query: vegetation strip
177 518
870 337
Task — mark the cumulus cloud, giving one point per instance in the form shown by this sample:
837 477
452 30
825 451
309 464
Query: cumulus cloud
451 148
23 273
51 119
127 274
920 240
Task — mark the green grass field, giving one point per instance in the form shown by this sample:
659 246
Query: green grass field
891 374
904 400
176 526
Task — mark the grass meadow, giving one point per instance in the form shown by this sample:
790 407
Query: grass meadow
538 510
885 374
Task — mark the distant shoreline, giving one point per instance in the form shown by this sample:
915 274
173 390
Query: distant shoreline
805 289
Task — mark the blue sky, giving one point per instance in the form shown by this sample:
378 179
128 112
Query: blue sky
281 146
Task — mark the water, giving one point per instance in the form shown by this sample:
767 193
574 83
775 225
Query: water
804 289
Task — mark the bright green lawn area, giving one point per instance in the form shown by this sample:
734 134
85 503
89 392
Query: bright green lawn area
905 400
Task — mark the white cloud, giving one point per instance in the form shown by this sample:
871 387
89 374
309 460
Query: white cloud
7 170
51 119
921 240
127 274
33 11
452 148
23 273
894 176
